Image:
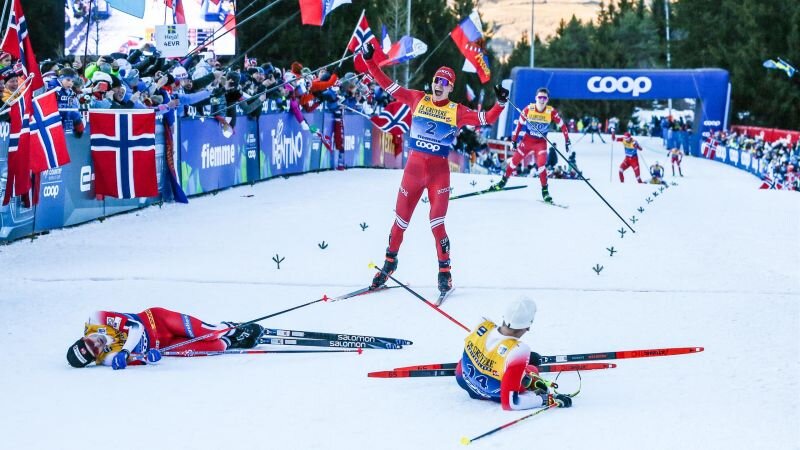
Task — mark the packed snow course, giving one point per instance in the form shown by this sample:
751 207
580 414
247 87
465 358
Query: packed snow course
713 263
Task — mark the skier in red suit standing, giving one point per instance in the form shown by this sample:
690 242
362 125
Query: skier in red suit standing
434 126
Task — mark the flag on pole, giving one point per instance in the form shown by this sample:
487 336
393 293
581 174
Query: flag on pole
780 65
404 49
18 181
48 143
18 44
395 118
469 40
124 153
314 12
362 35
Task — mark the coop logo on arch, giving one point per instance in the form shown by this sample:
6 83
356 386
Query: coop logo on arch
624 85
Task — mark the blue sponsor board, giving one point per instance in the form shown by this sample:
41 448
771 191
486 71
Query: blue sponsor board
285 146
209 160
710 86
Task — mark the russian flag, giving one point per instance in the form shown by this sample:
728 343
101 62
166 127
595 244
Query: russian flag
403 50
467 37
313 12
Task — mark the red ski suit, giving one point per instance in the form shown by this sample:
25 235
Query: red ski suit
427 166
533 125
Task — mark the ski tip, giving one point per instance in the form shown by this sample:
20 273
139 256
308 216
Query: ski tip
360 351
698 349
610 365
407 343
465 440
382 374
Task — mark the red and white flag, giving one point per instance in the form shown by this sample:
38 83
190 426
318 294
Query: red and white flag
395 118
48 144
124 154
363 35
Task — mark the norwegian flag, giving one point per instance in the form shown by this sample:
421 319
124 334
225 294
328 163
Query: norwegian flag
18 44
394 119
123 152
709 148
48 144
769 183
19 162
362 35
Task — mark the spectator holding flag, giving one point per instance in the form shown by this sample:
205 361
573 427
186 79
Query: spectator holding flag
434 127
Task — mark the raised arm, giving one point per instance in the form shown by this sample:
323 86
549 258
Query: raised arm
408 96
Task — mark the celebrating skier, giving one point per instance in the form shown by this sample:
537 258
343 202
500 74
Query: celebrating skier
495 363
532 125
110 338
632 149
434 126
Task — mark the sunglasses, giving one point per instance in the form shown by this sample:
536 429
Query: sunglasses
541 97
442 81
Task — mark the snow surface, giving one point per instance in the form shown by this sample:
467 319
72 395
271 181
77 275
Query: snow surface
714 263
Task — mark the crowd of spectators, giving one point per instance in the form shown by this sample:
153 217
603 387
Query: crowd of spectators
198 85
778 159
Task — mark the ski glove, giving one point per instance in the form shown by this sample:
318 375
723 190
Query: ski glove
501 93
153 356
368 51
535 358
120 360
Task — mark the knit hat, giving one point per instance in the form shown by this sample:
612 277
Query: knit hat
519 314
297 68
446 73
79 355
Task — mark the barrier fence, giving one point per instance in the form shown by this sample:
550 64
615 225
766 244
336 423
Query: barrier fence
272 145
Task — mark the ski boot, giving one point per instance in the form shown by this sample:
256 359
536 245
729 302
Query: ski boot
500 185
243 336
445 282
546 195
389 266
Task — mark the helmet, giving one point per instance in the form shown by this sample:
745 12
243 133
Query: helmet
519 314
627 135
79 355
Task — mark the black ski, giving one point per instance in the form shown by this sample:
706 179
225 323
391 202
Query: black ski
486 191
329 343
342 337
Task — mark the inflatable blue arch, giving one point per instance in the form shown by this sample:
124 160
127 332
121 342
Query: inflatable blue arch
711 87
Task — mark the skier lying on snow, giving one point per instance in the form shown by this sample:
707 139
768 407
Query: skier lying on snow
111 337
494 365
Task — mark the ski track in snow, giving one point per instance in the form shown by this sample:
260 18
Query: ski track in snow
714 263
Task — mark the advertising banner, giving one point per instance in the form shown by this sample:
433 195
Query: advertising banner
209 159
710 86
285 147
383 150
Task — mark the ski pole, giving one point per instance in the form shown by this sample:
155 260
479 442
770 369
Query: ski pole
466 441
193 353
544 136
225 330
373 266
